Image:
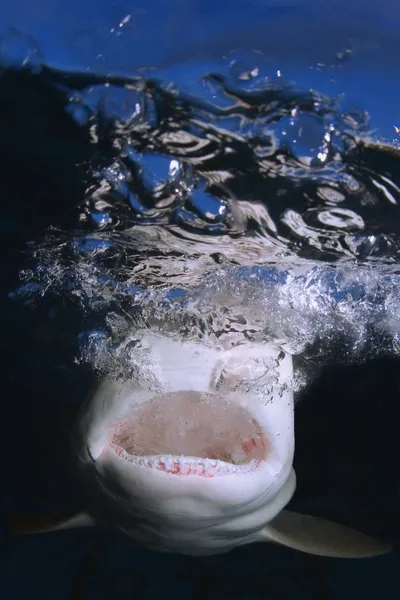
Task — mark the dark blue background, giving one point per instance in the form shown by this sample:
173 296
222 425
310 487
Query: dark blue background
184 39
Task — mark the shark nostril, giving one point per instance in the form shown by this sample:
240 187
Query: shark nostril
191 424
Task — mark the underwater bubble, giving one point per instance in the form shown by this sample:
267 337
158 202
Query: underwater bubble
247 67
101 219
206 205
159 173
116 175
307 138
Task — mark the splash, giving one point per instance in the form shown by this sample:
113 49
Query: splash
251 209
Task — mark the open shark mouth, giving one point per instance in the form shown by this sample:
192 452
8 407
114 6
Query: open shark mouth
190 433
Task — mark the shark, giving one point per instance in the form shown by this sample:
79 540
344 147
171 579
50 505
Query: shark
191 452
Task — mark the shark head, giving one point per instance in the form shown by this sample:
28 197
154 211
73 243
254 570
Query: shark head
193 453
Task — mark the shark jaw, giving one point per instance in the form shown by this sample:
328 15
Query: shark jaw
188 434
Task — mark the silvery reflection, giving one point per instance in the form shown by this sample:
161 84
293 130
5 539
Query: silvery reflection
272 161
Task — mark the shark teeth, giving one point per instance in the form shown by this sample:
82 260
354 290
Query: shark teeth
186 465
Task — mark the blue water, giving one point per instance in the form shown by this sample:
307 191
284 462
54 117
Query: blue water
347 450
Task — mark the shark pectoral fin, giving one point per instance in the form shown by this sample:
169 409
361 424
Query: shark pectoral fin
323 538
46 524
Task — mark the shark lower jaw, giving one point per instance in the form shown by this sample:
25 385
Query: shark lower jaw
190 434
187 465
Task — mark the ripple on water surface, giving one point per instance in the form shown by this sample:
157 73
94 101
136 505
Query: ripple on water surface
244 170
